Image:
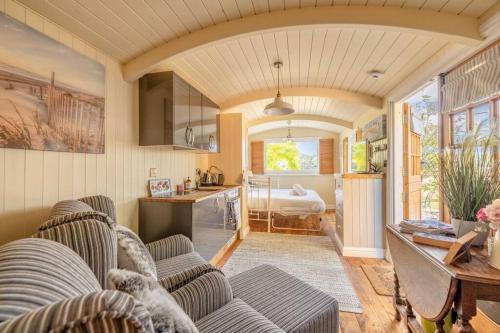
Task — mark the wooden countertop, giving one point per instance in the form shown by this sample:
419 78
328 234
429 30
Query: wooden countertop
194 196
363 175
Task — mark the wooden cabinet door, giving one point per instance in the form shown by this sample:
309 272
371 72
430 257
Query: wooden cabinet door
412 171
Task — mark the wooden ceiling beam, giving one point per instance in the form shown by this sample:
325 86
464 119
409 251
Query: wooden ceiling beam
298 116
454 28
337 94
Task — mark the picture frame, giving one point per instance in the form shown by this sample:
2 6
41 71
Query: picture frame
160 187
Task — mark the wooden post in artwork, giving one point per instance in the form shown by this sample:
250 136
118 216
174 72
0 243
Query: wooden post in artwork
49 99
79 125
87 130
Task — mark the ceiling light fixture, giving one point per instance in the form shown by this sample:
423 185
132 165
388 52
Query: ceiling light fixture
376 74
278 107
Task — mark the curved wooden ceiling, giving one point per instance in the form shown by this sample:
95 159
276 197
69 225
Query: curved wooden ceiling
336 58
127 28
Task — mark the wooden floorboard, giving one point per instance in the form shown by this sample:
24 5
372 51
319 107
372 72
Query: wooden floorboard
378 314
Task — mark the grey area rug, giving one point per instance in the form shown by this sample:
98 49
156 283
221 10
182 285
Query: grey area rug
312 259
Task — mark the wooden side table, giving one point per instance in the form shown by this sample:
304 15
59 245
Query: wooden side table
432 288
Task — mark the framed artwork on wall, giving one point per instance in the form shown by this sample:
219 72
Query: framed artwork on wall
51 97
159 187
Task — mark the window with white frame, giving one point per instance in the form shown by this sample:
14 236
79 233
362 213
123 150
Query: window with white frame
291 156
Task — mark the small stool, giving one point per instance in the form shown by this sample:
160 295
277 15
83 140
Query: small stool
288 302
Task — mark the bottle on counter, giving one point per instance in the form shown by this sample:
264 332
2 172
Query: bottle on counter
188 184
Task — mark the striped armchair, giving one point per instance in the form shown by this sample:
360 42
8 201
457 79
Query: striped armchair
88 226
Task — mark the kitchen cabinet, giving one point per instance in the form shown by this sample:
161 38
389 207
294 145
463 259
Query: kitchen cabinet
203 220
210 128
173 113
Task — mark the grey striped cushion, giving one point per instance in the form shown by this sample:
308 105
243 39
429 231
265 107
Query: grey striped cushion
204 295
93 240
174 282
178 264
38 272
101 204
236 317
288 302
170 247
78 216
105 311
66 207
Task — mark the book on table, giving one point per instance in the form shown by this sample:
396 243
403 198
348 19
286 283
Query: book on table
436 240
426 226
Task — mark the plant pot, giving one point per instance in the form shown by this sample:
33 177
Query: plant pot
494 259
461 228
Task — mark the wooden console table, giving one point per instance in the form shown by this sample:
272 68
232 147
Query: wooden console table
432 288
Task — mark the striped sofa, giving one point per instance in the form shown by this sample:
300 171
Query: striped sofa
92 235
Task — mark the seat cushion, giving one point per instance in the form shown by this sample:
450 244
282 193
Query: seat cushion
178 264
236 317
290 303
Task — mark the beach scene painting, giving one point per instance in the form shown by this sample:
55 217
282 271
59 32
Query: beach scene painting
51 97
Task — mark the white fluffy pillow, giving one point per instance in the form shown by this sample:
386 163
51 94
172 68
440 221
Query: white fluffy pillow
166 314
133 254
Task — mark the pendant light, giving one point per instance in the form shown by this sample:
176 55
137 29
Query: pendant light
278 107
289 136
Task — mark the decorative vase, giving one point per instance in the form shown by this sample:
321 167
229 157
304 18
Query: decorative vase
494 260
461 228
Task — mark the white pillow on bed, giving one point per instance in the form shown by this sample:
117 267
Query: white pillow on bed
298 190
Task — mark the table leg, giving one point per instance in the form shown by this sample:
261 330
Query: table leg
465 304
465 326
440 326
397 299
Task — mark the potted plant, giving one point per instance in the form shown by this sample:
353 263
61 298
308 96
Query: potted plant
469 180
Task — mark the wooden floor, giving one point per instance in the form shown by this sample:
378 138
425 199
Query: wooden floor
378 314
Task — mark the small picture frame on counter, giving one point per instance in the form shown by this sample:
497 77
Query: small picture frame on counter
159 187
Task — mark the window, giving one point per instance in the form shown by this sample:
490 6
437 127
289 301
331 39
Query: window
481 119
458 127
291 156
478 116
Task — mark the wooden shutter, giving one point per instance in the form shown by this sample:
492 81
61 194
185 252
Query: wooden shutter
326 156
257 157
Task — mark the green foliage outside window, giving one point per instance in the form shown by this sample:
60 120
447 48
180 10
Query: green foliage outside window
292 155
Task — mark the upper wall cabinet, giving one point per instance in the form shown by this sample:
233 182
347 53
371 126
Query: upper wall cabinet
173 113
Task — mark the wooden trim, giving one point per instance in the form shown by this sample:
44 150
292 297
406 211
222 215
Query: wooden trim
326 160
453 28
257 157
363 176
337 94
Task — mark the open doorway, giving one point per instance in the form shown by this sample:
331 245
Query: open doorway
421 154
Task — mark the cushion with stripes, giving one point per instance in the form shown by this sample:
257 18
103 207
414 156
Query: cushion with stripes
66 207
37 272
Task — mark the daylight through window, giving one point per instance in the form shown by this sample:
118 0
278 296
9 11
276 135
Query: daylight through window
292 156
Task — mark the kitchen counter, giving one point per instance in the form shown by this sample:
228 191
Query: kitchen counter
193 196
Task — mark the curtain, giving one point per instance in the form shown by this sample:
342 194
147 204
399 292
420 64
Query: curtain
476 79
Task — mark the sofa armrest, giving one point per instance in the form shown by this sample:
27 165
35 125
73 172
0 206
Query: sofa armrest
173 282
169 247
94 312
204 295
